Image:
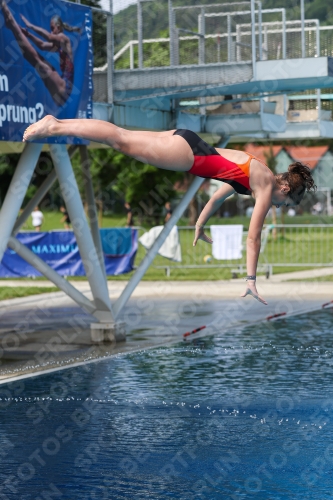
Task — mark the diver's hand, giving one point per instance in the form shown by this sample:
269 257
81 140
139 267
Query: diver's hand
200 235
251 289
26 22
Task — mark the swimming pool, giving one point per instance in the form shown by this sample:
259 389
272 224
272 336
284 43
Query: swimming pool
246 415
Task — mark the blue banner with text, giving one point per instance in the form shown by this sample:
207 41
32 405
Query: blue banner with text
46 64
59 250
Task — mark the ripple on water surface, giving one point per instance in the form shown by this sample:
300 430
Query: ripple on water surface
242 415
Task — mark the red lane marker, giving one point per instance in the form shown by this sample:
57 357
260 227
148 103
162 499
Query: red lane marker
327 303
276 316
193 331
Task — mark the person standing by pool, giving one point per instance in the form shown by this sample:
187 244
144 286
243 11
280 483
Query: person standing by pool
129 215
65 220
184 151
59 86
168 210
37 218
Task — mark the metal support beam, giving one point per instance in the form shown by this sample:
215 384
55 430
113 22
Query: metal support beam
173 36
223 142
260 30
202 32
319 104
176 47
261 112
253 30
39 195
140 37
131 56
318 39
202 48
16 192
229 38
284 35
302 30
92 209
171 32
51 274
265 42
110 54
238 42
81 230
35 200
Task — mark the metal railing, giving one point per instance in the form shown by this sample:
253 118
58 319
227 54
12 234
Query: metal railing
299 245
289 245
281 40
102 37
236 41
208 34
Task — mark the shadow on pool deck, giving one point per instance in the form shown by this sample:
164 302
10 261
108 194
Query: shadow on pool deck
45 332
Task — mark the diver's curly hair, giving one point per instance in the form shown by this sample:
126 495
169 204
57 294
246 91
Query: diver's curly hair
299 179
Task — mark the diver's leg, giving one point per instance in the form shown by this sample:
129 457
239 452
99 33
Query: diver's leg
161 149
51 78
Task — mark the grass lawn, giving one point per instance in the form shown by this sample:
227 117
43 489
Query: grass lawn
292 246
207 273
202 274
52 221
12 292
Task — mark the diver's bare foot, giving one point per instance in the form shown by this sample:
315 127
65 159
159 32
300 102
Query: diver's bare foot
6 12
39 130
4 6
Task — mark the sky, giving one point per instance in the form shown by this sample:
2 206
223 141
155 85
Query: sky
117 4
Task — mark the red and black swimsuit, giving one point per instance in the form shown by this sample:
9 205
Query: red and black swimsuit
210 164
67 68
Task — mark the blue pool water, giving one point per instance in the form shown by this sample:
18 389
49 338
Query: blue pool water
240 415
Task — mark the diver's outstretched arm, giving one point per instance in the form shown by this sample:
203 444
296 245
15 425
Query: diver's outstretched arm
263 204
210 208
37 41
50 37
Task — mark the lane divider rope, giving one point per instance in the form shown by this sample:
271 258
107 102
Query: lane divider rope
272 317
